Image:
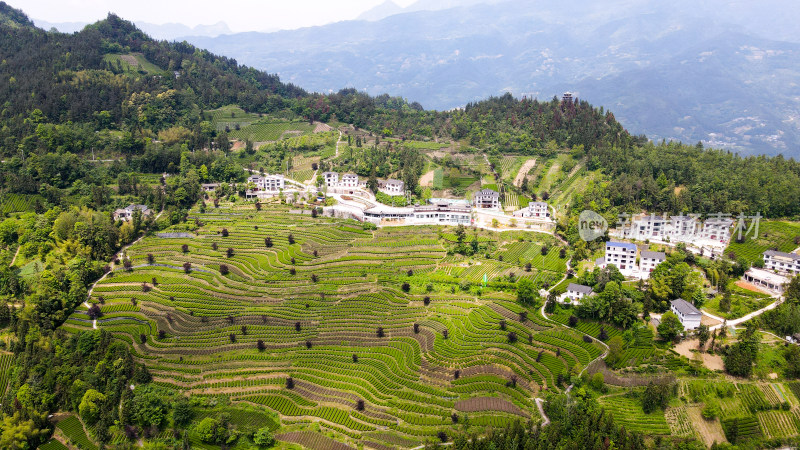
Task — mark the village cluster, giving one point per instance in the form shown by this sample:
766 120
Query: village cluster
634 261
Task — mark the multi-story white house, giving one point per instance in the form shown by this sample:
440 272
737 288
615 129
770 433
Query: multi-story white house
534 209
349 180
689 315
649 260
391 187
576 292
682 227
621 254
717 229
331 178
268 183
126 214
487 198
782 262
649 227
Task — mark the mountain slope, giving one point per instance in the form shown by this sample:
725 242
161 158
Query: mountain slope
611 53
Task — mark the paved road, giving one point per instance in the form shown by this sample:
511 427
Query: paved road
745 318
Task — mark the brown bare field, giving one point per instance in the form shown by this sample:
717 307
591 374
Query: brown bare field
523 171
130 59
476 404
710 431
312 440
750 287
426 180
712 362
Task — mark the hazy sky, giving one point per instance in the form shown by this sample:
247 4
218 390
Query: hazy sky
240 15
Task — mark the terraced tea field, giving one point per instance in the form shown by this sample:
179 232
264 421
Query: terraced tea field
771 234
310 318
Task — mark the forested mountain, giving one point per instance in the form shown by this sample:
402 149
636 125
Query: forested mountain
718 72
108 117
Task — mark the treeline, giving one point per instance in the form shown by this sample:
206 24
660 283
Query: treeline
676 178
575 422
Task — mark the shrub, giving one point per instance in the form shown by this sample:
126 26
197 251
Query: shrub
442 436
405 287
426 301
587 339
454 417
223 269
572 321
410 272
512 337
308 344
94 312
603 334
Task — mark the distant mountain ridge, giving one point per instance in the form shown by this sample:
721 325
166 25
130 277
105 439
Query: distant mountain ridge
166 31
718 72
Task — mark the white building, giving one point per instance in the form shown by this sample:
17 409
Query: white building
649 227
682 228
717 229
534 209
268 183
382 212
782 262
622 255
649 260
443 213
766 279
331 178
391 187
487 198
576 292
126 214
349 180
689 315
